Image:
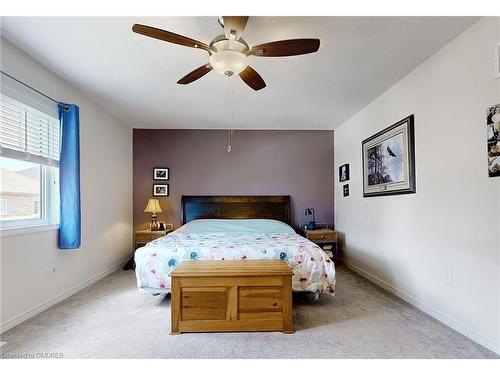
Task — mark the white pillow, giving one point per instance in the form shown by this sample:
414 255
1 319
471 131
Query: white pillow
236 226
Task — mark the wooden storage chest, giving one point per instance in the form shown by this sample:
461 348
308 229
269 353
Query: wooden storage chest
232 295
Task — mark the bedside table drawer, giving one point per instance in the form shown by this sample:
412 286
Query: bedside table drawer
148 237
320 236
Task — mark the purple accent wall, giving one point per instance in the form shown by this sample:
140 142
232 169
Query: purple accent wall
298 163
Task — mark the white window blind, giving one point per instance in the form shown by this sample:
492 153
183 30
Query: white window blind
27 132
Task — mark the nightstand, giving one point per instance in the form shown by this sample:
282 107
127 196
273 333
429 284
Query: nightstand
141 238
324 238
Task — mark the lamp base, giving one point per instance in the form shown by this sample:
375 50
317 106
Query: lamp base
155 225
154 222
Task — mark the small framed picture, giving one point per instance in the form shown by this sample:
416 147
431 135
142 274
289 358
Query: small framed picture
160 174
160 190
346 190
344 172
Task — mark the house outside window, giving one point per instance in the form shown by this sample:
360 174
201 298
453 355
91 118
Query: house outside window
19 187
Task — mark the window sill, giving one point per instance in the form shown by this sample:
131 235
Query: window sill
7 232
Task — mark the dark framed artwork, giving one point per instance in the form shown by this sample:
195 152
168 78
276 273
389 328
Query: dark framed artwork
389 160
160 174
344 173
493 139
345 189
160 190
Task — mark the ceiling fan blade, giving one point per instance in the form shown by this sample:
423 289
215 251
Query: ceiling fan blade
195 74
252 79
235 23
167 36
289 47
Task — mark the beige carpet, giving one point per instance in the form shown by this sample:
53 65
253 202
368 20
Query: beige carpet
112 319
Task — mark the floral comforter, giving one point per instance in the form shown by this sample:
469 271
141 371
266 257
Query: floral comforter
312 269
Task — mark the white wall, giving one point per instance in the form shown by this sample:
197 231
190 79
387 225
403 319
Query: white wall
439 248
34 272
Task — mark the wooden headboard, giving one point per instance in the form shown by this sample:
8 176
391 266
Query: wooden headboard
236 207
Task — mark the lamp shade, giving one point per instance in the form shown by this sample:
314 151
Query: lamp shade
153 206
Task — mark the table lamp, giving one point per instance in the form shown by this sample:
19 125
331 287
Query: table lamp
153 206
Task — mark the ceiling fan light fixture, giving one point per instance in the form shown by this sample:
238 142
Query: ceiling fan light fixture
229 62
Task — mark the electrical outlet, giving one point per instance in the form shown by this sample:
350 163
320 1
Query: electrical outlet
448 279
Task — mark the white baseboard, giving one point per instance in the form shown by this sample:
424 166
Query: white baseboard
8 324
435 313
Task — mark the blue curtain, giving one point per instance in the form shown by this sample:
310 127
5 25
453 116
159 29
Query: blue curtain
69 177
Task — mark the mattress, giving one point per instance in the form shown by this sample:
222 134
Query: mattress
214 239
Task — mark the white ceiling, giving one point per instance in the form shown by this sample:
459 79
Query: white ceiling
135 76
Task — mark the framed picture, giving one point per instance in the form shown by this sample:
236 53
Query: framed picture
493 139
346 190
389 160
160 174
344 172
160 190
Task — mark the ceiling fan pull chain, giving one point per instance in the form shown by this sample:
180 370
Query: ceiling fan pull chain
228 135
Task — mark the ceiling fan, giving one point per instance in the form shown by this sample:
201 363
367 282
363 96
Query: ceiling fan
228 53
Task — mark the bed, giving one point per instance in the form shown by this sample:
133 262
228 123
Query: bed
235 227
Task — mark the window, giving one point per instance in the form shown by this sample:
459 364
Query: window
29 157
